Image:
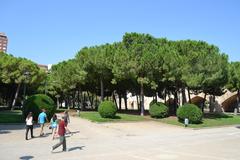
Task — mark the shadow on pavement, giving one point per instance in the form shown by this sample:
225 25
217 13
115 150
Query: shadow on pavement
12 126
5 129
75 148
44 135
4 132
238 127
75 132
26 157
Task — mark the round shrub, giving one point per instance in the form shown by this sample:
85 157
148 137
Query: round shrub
190 111
152 102
36 103
107 109
158 110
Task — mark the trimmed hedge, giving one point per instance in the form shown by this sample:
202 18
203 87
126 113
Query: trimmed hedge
190 111
158 110
152 102
107 109
36 103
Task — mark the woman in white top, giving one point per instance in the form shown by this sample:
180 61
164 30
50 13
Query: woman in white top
29 125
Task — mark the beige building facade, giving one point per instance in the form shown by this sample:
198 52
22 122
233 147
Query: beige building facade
3 42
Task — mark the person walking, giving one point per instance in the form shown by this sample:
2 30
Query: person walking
29 125
54 123
61 130
42 119
66 117
66 120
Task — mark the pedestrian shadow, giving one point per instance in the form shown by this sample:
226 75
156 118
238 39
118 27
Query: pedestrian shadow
26 157
4 132
12 127
55 152
71 133
8 128
45 135
75 132
75 148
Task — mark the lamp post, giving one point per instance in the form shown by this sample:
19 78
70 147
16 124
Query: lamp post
57 96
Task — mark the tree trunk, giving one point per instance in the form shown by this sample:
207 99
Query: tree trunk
15 97
142 100
89 98
238 101
125 101
175 102
211 105
203 103
102 90
84 97
184 100
114 98
73 99
78 98
165 96
68 100
189 96
81 100
120 101
96 102
57 103
92 100
138 104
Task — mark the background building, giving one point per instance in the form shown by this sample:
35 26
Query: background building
3 42
44 67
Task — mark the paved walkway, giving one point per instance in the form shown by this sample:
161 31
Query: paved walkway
123 141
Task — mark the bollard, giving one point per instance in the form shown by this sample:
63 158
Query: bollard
235 111
78 112
186 122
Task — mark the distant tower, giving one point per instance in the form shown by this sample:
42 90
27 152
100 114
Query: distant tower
3 42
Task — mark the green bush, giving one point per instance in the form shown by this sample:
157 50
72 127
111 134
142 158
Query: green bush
107 109
152 102
158 110
190 111
36 103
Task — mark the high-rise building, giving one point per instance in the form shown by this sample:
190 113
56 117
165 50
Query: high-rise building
3 42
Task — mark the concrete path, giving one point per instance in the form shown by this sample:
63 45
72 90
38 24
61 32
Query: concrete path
123 141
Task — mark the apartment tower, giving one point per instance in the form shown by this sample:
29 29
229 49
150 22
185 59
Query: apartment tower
3 42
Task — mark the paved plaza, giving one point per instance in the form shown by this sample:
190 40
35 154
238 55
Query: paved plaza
123 141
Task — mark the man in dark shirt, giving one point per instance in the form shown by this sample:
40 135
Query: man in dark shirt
61 132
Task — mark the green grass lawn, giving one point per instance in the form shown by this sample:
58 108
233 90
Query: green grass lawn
208 121
95 117
11 116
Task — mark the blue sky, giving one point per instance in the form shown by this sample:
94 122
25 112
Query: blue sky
50 31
